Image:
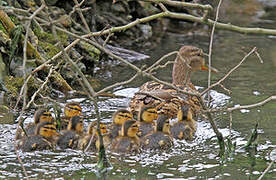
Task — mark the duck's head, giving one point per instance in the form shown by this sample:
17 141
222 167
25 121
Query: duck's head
42 115
121 115
46 129
130 128
92 128
147 114
72 109
189 59
163 124
185 113
76 124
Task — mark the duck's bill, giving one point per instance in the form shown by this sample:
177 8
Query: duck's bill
206 68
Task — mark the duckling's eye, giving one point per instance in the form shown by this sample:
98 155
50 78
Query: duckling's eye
135 125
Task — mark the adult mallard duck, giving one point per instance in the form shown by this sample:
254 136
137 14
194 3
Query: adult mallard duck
128 140
186 125
71 109
41 115
160 137
146 117
44 138
69 138
91 138
118 119
165 98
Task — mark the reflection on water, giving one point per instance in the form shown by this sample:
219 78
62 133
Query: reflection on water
251 83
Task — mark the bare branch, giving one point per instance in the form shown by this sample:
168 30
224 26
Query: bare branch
211 47
233 69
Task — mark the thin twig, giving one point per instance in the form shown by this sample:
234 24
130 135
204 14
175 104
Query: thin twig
233 69
211 47
81 15
266 170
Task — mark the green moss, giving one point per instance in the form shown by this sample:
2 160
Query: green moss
92 50
48 37
2 28
14 84
49 48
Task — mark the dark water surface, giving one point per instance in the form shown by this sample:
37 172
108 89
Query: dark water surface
251 83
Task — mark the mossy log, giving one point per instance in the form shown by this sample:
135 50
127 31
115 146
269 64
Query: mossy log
32 52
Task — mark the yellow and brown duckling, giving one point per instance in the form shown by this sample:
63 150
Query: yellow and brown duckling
118 119
160 138
71 109
41 115
168 100
128 140
69 138
186 125
146 117
44 138
90 141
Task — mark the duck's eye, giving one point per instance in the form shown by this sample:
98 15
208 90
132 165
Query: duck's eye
135 126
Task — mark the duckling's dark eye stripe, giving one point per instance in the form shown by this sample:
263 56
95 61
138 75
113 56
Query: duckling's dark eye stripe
50 127
74 108
123 115
152 111
47 114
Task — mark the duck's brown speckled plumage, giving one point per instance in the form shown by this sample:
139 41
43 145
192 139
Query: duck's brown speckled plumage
165 98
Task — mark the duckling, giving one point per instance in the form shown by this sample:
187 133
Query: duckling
160 138
189 59
118 119
92 135
146 116
69 138
71 109
44 138
128 140
41 115
186 125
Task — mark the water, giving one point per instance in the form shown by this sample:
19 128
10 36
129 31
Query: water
251 83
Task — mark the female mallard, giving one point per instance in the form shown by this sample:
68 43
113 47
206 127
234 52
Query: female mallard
128 140
186 125
118 119
44 138
71 109
160 137
146 116
69 138
41 115
166 98
91 138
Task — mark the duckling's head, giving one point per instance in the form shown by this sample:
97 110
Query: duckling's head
46 129
185 113
121 115
92 128
130 128
76 124
163 124
147 114
42 115
72 109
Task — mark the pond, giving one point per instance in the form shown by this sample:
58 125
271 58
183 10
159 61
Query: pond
250 83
